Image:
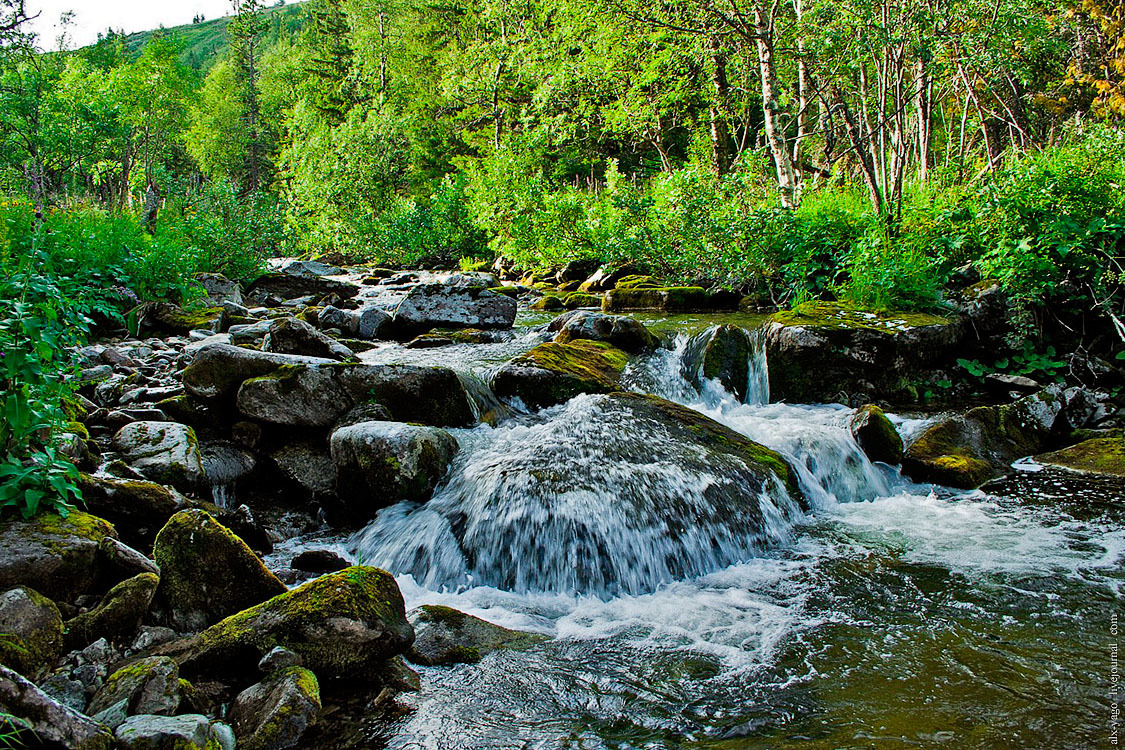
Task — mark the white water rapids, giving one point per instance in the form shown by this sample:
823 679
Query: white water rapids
716 635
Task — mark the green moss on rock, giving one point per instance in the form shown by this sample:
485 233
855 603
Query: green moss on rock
31 632
1103 456
448 636
554 372
56 556
119 614
876 435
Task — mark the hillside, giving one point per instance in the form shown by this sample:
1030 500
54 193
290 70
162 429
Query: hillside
205 42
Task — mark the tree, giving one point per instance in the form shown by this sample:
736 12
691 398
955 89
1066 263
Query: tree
244 33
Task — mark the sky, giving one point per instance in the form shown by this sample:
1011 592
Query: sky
92 17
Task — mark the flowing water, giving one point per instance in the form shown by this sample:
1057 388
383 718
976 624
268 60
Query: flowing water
884 614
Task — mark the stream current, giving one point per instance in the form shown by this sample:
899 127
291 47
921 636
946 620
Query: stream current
888 614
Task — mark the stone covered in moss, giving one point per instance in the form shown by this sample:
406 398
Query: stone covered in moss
56 556
31 632
967 450
1103 456
186 732
876 435
147 686
342 625
119 614
547 303
382 463
274 714
723 354
166 452
170 319
217 370
48 722
637 281
624 333
135 506
207 572
553 373
665 299
826 351
443 635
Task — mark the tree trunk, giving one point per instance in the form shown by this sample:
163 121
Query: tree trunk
775 134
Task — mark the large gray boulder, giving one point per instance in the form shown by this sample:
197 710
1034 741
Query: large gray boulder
165 452
273 714
185 732
216 370
33 631
292 336
58 557
381 463
47 721
454 306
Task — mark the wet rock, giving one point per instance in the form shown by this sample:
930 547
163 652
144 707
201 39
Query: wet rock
55 556
166 452
670 299
307 465
32 631
118 616
147 686
967 450
343 625
443 635
293 336
273 714
876 435
1100 456
219 289
206 572
553 373
381 463
825 348
49 722
723 354
225 463
605 278
452 306
186 732
319 561
624 333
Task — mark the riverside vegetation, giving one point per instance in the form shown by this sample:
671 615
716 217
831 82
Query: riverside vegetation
313 314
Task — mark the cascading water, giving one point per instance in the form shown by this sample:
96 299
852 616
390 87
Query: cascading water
887 614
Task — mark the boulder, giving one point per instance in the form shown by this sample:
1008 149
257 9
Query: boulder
366 323
382 463
967 450
426 395
217 370
1100 456
122 561
273 714
553 373
32 632
318 561
147 686
723 354
606 278
443 635
166 318
219 289
136 506
668 299
206 572
292 336
624 333
56 556
307 465
118 616
166 452
288 286
297 396
876 435
48 722
310 269
454 306
823 349
186 732
343 625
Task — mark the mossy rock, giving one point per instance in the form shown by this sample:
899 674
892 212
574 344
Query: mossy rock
170 319
722 354
576 300
625 333
342 625
547 303
554 372
444 635
876 435
136 506
837 315
147 686
1100 456
637 281
665 299
207 572
118 616
56 556
274 714
31 632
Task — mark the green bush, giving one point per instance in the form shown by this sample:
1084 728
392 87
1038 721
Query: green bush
440 229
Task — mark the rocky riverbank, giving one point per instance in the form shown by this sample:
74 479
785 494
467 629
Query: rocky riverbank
148 619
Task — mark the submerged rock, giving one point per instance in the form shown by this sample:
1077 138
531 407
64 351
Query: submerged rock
273 714
343 625
49 722
1100 456
382 463
454 306
32 631
553 373
965 451
206 572
823 349
55 556
165 452
443 635
876 435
